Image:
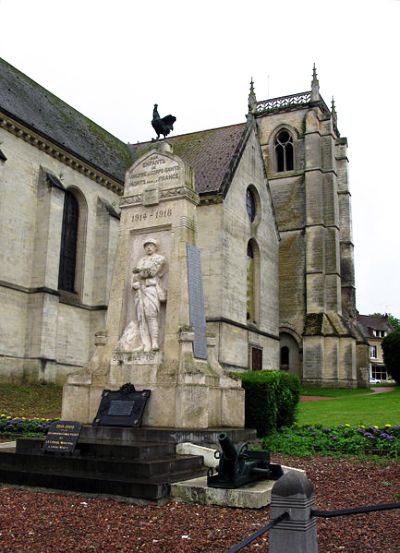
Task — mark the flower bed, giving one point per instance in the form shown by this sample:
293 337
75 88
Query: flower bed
343 439
23 426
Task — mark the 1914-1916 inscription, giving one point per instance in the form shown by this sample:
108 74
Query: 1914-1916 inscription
62 437
196 302
123 407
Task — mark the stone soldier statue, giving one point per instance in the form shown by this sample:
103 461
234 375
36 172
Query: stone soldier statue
142 334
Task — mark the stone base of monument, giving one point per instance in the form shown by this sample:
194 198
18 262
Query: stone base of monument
252 496
136 463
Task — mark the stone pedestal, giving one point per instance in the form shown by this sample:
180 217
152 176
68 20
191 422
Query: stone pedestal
155 318
293 494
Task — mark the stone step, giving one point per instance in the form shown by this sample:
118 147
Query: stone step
106 468
88 483
126 436
89 448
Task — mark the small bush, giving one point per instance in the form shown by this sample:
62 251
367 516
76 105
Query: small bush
305 441
271 399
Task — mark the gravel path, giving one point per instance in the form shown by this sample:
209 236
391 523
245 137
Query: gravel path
54 523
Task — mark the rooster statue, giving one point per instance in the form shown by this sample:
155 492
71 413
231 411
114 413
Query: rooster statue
162 125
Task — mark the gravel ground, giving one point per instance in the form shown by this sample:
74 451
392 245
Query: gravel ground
50 522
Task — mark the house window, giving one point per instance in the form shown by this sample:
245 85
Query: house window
284 151
379 372
372 352
256 359
69 242
379 333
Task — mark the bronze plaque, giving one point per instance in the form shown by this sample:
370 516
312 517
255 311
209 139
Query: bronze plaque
123 407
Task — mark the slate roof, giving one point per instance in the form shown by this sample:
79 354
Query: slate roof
213 154
25 100
374 322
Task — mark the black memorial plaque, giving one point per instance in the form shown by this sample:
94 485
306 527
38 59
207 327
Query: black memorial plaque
196 302
123 407
62 437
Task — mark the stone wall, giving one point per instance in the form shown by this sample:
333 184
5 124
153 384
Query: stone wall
224 231
47 333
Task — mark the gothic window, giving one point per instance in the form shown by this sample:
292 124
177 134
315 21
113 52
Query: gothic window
69 243
284 153
250 204
253 262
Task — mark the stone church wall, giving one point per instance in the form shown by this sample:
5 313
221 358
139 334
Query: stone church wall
224 231
46 333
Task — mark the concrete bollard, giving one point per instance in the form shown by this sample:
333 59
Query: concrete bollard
293 494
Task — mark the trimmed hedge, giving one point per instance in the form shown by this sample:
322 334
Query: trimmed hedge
271 399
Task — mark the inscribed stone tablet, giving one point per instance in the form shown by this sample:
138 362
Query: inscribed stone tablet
62 437
196 302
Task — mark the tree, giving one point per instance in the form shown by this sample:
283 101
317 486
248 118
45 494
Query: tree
394 322
391 354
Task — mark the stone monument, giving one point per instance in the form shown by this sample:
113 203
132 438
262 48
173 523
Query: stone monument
155 333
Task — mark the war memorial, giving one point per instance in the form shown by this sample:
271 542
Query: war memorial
154 271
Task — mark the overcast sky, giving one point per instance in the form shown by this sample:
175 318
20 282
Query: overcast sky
113 60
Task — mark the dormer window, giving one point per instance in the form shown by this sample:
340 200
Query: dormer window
284 151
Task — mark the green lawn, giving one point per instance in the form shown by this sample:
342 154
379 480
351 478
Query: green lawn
354 407
36 400
334 392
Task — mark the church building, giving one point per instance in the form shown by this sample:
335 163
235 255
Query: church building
272 223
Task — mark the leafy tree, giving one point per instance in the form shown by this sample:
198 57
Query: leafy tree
394 322
391 354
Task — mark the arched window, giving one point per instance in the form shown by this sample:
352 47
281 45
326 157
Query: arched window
250 204
284 358
284 151
69 243
253 276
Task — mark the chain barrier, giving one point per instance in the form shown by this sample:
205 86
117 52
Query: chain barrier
257 534
355 510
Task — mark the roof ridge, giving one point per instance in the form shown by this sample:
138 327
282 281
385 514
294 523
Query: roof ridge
186 134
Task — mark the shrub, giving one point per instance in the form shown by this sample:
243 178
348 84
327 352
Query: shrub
271 399
391 354
307 441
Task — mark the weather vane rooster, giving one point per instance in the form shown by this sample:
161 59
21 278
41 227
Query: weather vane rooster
162 125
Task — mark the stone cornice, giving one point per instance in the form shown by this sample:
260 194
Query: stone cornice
64 297
211 199
45 144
